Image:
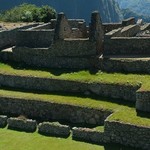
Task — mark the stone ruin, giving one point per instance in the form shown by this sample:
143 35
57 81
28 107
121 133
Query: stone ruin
71 44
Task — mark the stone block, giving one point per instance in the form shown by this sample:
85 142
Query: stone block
129 31
129 21
3 121
54 129
62 29
87 135
26 125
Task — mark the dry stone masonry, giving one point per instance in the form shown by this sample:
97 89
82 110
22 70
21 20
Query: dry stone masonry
70 43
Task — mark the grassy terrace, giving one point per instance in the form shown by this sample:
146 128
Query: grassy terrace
12 140
83 76
123 111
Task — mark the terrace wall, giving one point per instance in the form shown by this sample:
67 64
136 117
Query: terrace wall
120 91
143 101
35 38
127 46
44 110
131 65
8 37
127 134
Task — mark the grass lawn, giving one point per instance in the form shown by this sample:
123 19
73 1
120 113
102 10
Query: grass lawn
123 111
14 140
83 76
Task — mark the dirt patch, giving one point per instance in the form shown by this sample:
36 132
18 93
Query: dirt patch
8 25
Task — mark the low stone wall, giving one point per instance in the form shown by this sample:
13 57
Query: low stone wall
44 110
8 37
54 129
41 26
6 55
120 91
39 38
88 135
3 121
130 31
63 48
125 65
22 125
67 53
72 22
143 101
128 21
127 46
127 134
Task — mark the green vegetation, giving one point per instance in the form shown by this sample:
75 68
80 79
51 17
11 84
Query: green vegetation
11 140
28 13
120 108
82 76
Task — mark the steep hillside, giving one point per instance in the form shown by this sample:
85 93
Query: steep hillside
109 10
141 7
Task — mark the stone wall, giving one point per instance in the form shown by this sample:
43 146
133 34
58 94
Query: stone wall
111 26
41 26
35 38
72 22
27 125
44 110
124 65
66 53
3 121
143 101
127 134
8 37
88 135
54 129
111 90
67 47
127 46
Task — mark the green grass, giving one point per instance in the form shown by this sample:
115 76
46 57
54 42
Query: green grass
123 111
82 76
13 140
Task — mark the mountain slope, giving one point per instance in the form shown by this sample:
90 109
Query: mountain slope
108 9
141 7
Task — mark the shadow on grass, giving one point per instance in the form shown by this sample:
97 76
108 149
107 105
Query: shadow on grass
53 135
56 72
107 146
78 95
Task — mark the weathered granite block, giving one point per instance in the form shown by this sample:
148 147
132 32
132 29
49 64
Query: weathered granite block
143 101
129 21
88 135
3 121
54 129
27 125
129 31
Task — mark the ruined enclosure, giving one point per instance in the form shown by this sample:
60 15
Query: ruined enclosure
71 44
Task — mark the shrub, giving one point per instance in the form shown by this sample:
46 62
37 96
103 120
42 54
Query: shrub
28 13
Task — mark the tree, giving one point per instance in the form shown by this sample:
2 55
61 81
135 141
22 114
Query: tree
29 13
